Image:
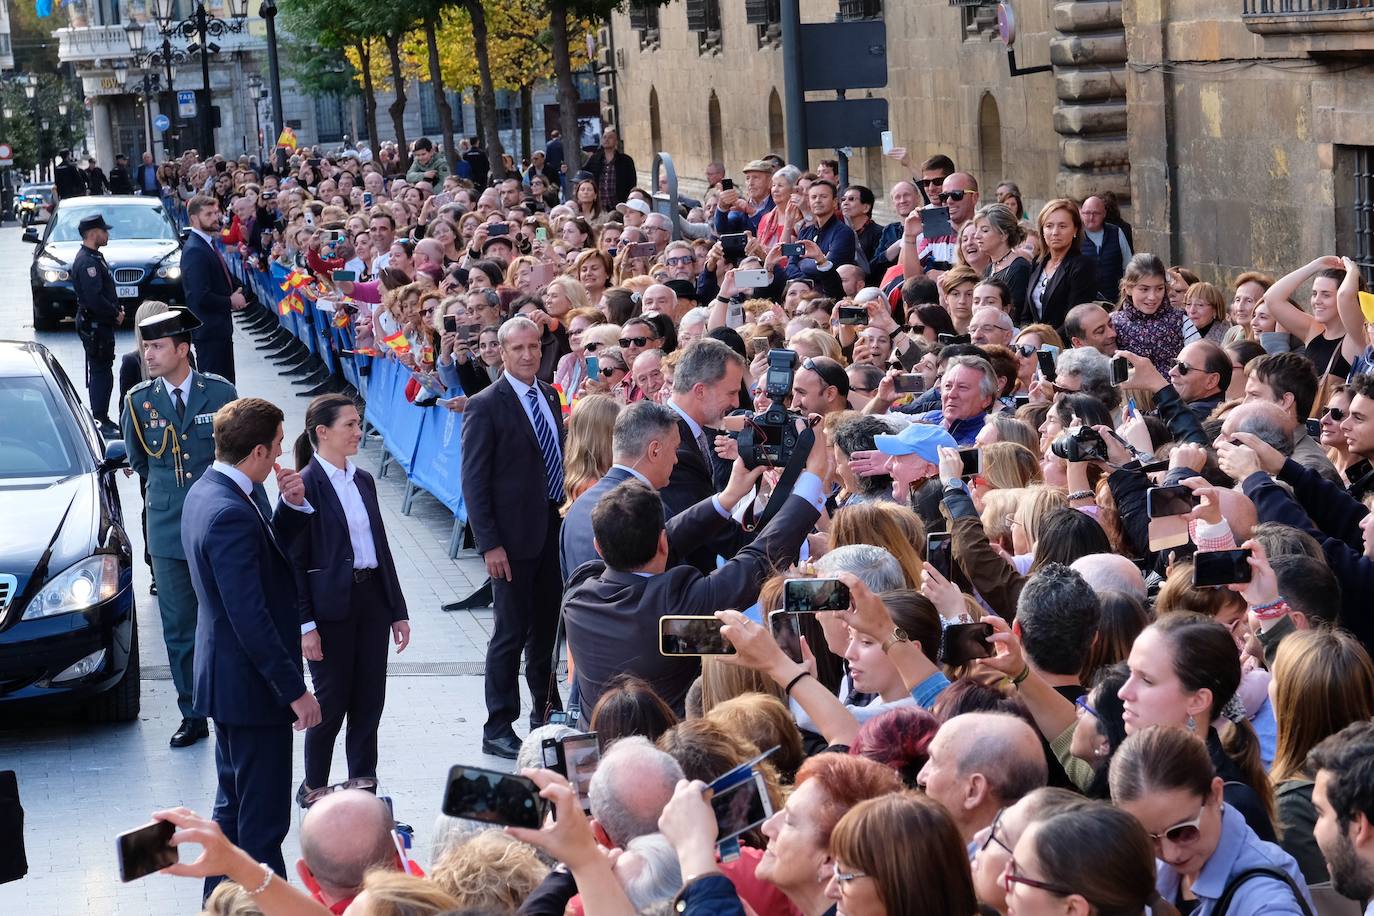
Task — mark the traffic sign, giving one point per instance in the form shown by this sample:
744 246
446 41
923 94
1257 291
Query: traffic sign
161 123
6 152
186 103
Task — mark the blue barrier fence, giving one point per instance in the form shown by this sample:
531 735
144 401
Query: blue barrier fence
427 442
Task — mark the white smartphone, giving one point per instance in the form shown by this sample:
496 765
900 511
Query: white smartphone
752 278
887 142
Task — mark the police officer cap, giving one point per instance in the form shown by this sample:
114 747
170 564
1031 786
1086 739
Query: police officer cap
168 324
92 222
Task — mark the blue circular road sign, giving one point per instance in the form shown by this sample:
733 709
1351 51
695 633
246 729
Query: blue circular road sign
162 122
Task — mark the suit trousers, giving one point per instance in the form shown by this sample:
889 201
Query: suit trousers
525 617
216 356
99 342
350 681
253 804
176 601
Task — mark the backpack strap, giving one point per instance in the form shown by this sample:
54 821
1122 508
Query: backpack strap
1233 886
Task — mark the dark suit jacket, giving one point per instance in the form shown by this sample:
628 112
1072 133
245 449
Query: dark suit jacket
686 530
691 482
612 618
625 175
207 287
504 482
322 551
1074 283
248 632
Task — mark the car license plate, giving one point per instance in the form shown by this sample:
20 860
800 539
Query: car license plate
126 292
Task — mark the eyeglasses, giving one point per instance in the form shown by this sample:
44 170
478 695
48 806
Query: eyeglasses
366 783
592 347
1335 413
1184 833
635 341
1082 703
927 182
1026 350
843 878
1012 876
992 834
608 371
1183 368
955 195
682 261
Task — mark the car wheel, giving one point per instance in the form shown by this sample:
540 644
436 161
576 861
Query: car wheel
44 319
121 702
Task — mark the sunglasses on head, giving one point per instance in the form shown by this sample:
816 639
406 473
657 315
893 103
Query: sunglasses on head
635 341
1335 413
956 195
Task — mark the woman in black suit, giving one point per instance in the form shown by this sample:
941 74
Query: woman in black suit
1063 276
350 598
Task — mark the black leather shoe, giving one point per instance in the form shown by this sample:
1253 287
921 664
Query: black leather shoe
301 793
191 731
152 587
507 746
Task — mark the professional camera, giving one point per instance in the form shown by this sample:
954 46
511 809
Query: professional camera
1080 443
769 437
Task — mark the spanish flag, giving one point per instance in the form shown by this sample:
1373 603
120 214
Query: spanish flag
294 279
562 399
340 317
287 138
291 303
397 342
362 351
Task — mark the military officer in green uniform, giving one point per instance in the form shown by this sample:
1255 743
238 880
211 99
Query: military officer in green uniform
168 428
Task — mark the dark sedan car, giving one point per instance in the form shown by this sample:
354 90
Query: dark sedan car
144 254
67 630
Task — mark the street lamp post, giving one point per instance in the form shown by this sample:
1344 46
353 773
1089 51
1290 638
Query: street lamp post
202 26
31 93
165 54
136 36
268 10
255 91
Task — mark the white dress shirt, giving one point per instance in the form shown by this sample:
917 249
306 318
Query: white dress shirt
355 512
185 389
521 392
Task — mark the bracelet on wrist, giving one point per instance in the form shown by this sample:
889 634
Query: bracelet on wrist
792 683
1271 611
1081 494
1020 678
267 875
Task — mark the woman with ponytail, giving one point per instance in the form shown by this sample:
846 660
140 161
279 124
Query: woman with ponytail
351 601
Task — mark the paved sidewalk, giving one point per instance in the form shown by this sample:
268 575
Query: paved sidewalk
83 784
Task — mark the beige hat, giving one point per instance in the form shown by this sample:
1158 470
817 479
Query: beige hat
759 165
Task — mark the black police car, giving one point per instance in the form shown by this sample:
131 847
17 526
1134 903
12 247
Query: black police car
144 254
67 630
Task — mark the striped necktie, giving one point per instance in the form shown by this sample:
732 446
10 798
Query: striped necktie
548 446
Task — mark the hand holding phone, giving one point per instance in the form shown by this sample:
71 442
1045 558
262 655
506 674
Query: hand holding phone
809 596
494 797
1215 568
146 850
682 634
939 545
909 383
852 315
961 643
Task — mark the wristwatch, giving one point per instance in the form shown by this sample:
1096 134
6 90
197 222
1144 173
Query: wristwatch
898 635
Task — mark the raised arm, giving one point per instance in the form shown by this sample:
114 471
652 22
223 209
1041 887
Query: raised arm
1352 316
1279 298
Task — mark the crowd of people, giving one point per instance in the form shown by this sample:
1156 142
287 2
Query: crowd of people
984 421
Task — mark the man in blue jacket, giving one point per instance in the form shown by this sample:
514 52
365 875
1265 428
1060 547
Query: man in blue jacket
248 632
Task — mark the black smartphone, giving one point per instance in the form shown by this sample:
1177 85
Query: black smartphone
575 758
468 331
961 643
1314 427
946 340
450 324
853 314
498 229
1121 370
807 596
732 245
908 357
1212 568
973 461
935 222
494 797
1162 502
146 850
741 807
1045 359
786 633
792 250
313 163
1020 400
938 552
727 184
640 250
680 634
909 383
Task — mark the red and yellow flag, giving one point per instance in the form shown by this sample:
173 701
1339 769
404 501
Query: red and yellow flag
287 138
397 342
294 279
341 317
291 303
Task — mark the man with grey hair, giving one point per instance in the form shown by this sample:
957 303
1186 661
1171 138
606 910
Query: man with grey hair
512 479
980 763
990 326
648 870
1087 371
706 386
872 566
630 787
1111 572
659 299
659 230
344 835
968 390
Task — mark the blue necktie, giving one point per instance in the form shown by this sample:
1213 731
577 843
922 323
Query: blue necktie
548 445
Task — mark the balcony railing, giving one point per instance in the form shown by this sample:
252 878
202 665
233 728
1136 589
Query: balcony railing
1305 7
1343 28
111 42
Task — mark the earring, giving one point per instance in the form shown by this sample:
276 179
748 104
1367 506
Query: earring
1192 724
1100 752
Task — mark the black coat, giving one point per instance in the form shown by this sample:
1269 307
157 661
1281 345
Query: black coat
1073 283
625 175
691 482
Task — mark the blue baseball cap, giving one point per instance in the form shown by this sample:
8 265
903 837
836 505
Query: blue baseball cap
923 439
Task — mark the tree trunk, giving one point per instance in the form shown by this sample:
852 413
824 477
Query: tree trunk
478 119
364 49
436 81
397 108
526 121
567 92
486 105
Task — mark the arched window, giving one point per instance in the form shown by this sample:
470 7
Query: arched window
777 136
989 139
655 125
717 134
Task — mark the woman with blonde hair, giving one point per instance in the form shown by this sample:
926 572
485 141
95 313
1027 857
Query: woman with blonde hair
1061 277
1005 465
885 524
1323 680
823 343
763 720
1205 306
520 274
999 233
999 511
587 455
1002 428
562 295
490 872
392 893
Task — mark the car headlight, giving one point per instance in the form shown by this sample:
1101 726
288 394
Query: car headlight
54 274
169 271
81 586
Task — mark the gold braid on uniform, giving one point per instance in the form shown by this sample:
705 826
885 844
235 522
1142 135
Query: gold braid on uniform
176 445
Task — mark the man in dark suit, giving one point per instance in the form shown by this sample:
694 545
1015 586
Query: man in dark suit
513 484
706 386
212 295
644 447
248 642
612 618
121 182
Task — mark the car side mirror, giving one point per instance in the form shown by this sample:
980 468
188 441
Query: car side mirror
185 233
31 235
116 455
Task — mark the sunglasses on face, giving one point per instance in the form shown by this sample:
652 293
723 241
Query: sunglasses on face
626 342
593 347
1181 834
947 196
916 328
608 371
927 182
1335 413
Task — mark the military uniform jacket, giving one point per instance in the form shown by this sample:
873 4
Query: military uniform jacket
168 454
95 287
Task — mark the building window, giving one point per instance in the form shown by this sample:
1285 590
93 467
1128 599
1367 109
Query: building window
644 20
764 15
655 122
777 135
703 17
329 118
1354 175
976 17
429 109
861 9
714 129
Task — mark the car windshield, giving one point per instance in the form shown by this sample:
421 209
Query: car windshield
34 440
125 223
35 189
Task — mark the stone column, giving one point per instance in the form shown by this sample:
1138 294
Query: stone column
100 123
1089 57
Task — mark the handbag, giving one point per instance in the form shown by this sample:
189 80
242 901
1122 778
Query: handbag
1233 886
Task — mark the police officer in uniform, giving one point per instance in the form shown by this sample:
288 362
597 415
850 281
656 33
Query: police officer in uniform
168 427
98 312
121 181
